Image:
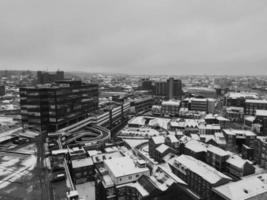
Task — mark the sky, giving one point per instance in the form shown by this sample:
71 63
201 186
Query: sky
135 36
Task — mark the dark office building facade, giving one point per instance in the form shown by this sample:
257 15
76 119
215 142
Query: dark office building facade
46 77
2 90
172 88
50 108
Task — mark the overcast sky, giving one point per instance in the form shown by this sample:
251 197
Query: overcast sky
135 36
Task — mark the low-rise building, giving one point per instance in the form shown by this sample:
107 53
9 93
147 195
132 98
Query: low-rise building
260 151
199 176
217 157
251 105
249 188
235 138
238 167
170 108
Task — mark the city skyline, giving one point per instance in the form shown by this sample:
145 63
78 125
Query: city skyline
135 37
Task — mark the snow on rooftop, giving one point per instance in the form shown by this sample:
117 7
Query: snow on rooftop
217 150
82 162
161 122
236 95
172 138
158 139
140 120
261 113
237 161
162 148
171 103
256 101
239 132
247 188
196 146
123 166
207 172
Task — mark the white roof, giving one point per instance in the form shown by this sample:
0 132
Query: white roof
250 118
239 132
123 166
236 95
196 146
247 188
237 161
172 138
259 101
261 113
162 148
137 121
217 150
171 103
158 139
207 172
82 162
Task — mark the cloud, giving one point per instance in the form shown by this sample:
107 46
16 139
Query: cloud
138 37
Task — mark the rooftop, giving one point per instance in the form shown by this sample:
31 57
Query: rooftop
256 101
236 95
171 103
158 139
123 166
261 113
207 172
140 120
247 188
82 162
217 150
162 148
239 132
196 146
237 161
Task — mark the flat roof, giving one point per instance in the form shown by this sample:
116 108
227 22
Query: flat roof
162 148
259 101
158 139
123 166
196 146
137 121
247 188
171 103
239 132
261 113
217 150
84 162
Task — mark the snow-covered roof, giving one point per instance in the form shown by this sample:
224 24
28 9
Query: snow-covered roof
247 188
261 113
256 101
171 103
123 166
162 148
205 171
196 146
158 139
237 161
217 150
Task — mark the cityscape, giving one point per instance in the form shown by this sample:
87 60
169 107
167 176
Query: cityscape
116 136
133 100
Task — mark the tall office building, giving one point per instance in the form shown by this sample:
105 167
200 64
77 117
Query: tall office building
170 89
147 84
2 90
174 88
52 107
46 77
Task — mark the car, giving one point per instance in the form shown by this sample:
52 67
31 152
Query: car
58 177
